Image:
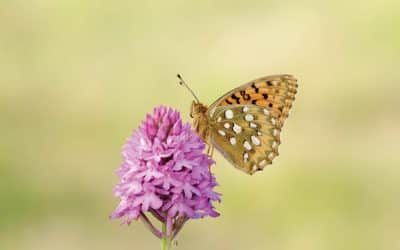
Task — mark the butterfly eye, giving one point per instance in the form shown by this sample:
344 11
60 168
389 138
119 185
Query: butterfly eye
191 112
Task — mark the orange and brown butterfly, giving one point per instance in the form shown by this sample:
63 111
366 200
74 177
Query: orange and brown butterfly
245 123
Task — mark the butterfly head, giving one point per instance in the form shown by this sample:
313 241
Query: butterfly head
198 109
198 112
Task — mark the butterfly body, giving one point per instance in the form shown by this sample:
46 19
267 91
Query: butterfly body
245 123
200 122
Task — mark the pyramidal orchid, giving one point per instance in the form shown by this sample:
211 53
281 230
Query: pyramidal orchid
165 175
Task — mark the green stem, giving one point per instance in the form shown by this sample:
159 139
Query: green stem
166 239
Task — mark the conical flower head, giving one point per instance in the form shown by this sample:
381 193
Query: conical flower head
165 170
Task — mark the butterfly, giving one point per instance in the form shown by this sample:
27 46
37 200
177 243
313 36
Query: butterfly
244 125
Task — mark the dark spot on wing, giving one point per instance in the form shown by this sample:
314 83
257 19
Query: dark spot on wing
265 96
255 87
234 97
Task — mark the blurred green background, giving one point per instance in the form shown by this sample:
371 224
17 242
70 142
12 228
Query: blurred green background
76 77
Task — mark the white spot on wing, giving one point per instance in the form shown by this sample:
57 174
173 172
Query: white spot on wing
255 140
247 145
228 114
271 156
253 125
227 125
273 121
232 140
274 144
245 109
245 156
237 128
266 111
221 132
275 132
219 119
262 163
249 117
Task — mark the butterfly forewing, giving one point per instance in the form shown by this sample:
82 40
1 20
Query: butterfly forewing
247 135
245 123
275 93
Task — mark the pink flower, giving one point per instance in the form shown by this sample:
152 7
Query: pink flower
165 172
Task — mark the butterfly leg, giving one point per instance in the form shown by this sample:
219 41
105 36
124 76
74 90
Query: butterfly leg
210 150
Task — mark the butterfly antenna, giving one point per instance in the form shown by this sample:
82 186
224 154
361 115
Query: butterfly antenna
183 83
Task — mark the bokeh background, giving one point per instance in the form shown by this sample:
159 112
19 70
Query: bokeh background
76 77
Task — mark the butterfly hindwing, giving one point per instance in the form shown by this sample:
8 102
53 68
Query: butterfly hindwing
275 93
247 135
